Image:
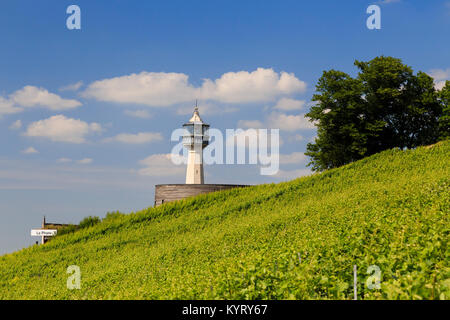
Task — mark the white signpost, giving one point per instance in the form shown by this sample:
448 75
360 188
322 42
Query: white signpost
43 232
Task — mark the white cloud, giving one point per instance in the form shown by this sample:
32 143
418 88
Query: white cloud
30 96
143 114
147 88
246 87
250 124
289 122
30 150
287 104
85 161
16 125
7 107
142 137
439 85
293 158
439 76
165 89
81 161
72 87
161 165
64 160
62 129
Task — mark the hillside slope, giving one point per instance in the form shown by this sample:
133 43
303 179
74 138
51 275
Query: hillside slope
298 239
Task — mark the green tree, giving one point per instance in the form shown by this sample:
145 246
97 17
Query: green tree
444 120
385 106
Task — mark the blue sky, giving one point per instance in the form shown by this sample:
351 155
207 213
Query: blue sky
86 115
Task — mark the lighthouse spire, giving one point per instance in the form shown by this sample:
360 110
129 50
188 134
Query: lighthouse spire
196 115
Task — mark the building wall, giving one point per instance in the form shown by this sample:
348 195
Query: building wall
171 192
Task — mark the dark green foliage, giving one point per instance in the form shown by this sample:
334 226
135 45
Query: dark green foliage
89 222
386 106
67 229
112 215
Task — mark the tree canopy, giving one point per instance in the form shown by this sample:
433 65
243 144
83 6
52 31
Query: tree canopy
385 106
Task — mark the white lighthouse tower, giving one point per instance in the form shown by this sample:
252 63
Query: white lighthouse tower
195 139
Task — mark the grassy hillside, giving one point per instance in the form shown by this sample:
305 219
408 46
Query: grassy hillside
390 210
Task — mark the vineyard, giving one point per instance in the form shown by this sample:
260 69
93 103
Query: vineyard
294 240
